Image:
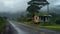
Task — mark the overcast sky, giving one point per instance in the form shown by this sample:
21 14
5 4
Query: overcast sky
54 4
13 5
20 5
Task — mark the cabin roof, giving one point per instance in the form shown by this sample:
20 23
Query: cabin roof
45 16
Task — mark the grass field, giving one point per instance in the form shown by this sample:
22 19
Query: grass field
56 27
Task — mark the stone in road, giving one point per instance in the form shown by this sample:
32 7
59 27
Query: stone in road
21 29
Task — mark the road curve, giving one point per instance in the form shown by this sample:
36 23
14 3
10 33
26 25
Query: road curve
25 29
19 31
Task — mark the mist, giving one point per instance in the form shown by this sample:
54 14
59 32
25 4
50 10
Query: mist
13 5
21 5
54 6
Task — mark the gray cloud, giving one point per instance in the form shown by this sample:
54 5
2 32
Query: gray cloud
13 5
53 5
19 5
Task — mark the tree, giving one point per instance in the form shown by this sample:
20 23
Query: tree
32 9
35 6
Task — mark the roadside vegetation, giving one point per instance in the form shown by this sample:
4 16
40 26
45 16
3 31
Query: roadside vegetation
2 23
55 27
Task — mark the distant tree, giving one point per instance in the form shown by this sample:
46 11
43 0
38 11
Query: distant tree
57 21
55 18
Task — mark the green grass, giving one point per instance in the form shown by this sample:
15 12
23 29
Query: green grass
56 27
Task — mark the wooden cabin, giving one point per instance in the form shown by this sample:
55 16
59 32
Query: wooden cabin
44 18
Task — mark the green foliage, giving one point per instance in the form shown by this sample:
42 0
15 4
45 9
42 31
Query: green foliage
55 18
57 21
32 9
3 21
39 14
